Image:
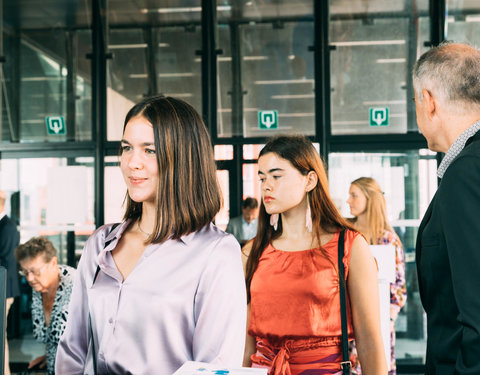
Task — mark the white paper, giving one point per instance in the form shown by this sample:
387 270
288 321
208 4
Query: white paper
67 201
194 368
385 256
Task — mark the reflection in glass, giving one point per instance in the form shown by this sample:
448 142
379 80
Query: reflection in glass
178 67
266 65
42 88
127 81
463 23
374 45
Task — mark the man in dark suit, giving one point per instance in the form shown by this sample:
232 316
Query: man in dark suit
447 95
9 239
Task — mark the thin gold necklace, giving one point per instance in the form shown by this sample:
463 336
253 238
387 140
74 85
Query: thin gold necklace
141 230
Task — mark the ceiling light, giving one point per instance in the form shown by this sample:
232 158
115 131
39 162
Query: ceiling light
283 81
220 8
388 61
174 75
127 46
368 43
296 96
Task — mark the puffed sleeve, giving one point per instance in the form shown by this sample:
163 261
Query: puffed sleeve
220 307
74 344
459 204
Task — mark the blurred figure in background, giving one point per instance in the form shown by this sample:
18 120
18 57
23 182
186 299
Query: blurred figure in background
9 238
367 205
52 285
244 227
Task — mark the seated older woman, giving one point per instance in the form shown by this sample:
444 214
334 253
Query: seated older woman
52 285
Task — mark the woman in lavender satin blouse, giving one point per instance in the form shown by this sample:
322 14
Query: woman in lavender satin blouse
164 286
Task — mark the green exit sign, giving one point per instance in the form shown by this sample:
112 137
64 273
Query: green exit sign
55 125
268 119
379 116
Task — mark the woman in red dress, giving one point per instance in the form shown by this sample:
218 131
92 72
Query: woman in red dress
292 275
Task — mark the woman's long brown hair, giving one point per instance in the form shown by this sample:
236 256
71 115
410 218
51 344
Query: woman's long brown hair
299 151
188 194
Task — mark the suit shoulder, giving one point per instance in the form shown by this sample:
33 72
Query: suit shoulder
8 226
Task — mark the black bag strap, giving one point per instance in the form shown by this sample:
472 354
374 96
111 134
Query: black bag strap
346 364
92 341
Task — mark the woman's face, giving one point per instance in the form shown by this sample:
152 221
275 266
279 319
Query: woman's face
139 161
40 274
356 200
283 186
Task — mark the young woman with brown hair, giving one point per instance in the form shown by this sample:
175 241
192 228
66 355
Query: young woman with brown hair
292 275
165 286
368 206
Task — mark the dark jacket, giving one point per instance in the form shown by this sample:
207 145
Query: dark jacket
9 238
448 265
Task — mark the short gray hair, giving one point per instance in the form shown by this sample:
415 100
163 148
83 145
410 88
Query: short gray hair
451 71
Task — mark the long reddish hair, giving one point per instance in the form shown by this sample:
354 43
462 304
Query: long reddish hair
299 151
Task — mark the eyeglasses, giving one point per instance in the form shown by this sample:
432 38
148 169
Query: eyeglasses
35 273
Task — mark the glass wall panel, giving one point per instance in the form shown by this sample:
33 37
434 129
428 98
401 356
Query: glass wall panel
42 88
374 45
266 70
251 182
40 190
83 86
463 22
39 78
223 152
149 62
251 151
178 68
221 220
115 190
36 90
127 81
409 181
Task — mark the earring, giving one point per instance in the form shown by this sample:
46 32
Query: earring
308 218
274 221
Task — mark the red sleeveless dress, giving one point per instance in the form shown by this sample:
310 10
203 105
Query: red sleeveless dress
295 309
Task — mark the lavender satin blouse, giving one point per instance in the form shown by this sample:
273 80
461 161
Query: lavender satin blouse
185 300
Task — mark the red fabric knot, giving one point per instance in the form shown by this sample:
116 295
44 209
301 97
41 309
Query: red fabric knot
280 364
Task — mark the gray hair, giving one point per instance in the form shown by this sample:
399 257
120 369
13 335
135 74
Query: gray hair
451 72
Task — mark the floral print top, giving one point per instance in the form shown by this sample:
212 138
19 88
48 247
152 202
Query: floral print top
50 335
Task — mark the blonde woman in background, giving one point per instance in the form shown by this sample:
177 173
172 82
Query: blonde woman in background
367 205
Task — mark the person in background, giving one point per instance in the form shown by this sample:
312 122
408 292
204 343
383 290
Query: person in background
368 207
9 238
165 286
446 80
52 285
292 273
244 227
